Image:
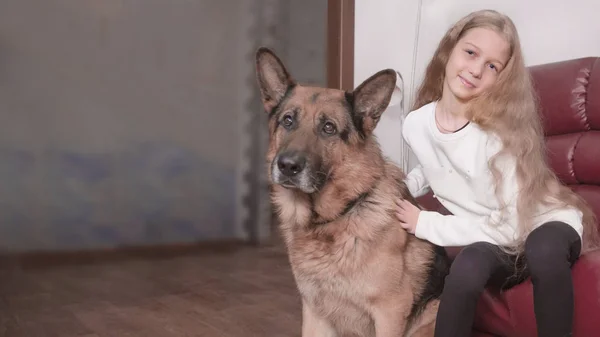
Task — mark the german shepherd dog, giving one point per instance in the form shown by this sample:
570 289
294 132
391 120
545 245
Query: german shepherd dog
358 272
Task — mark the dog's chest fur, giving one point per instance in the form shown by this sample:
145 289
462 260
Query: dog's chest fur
340 292
342 267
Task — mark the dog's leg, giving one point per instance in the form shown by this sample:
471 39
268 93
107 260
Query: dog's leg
314 326
390 319
424 325
424 331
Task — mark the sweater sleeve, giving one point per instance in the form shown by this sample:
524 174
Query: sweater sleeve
452 231
416 182
499 227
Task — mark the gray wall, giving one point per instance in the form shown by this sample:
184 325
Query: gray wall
119 120
307 36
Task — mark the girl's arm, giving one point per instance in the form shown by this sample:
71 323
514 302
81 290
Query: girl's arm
499 227
451 230
416 182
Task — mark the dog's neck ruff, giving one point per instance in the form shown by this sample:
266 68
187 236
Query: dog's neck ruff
349 206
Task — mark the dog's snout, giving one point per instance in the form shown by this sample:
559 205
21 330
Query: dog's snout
291 163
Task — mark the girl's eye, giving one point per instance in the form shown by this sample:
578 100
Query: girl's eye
470 52
493 67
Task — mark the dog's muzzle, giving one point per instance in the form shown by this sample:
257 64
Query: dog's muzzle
291 170
290 164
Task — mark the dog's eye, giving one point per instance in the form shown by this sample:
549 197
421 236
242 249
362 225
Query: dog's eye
288 121
329 128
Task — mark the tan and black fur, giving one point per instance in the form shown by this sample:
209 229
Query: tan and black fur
358 272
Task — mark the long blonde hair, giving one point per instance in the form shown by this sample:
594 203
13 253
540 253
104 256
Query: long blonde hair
509 110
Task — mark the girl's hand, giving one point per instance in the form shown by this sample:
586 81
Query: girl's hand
408 214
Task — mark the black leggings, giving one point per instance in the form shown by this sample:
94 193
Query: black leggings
550 251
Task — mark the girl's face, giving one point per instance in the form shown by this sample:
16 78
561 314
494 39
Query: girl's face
475 62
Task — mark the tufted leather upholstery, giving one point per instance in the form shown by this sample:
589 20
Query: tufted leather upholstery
569 98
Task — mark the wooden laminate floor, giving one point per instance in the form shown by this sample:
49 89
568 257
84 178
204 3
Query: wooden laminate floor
244 292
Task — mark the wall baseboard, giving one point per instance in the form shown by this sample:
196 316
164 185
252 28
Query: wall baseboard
51 258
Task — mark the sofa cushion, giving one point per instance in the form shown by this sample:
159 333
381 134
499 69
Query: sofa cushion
570 113
562 89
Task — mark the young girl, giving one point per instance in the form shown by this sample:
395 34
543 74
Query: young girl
477 136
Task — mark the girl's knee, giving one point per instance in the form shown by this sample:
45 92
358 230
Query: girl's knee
471 269
549 245
476 256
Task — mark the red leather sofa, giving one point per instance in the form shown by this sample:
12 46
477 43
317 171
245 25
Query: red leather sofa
569 98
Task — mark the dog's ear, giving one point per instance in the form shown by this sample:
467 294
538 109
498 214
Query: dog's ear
371 98
273 78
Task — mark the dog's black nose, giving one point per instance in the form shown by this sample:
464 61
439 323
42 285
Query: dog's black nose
291 163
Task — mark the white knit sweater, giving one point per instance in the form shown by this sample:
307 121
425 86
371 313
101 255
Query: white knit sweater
455 167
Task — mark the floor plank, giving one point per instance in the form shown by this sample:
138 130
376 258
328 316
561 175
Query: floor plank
245 292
